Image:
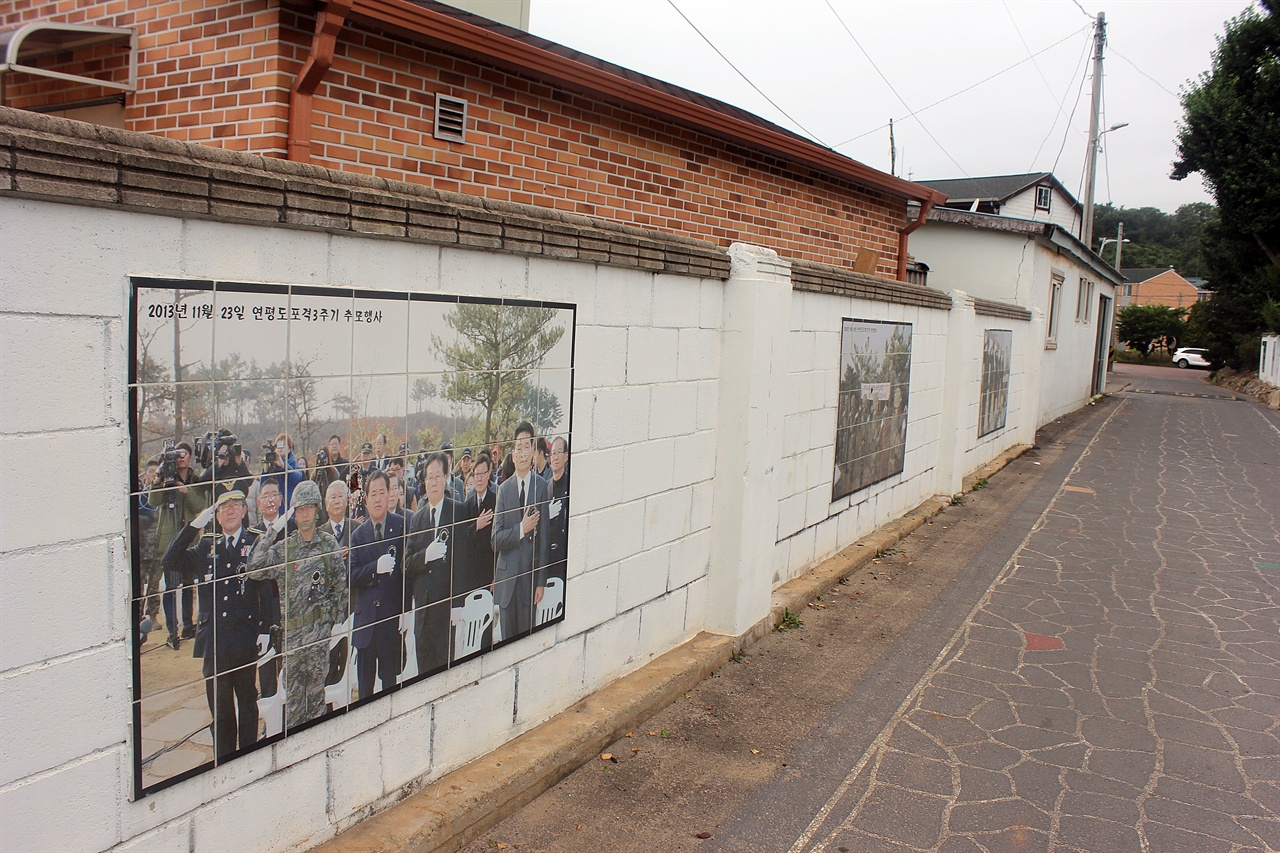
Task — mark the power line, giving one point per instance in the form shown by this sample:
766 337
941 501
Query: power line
912 113
1084 56
1083 9
1160 85
759 91
1067 131
1026 46
970 87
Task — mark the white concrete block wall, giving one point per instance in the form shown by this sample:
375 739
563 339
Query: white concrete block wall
645 417
810 526
982 450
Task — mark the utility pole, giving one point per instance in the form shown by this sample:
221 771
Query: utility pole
1091 156
1120 241
893 152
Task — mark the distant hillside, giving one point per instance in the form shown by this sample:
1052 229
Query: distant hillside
1157 239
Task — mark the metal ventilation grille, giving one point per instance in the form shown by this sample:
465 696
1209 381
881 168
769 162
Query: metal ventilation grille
451 119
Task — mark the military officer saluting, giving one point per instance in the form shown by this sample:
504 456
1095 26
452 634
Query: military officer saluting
234 615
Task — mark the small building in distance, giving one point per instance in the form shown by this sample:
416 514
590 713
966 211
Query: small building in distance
1161 286
1035 197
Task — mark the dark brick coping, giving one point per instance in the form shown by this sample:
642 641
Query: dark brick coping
54 158
816 278
991 308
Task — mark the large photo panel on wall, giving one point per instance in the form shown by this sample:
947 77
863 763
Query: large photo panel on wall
871 411
993 401
335 493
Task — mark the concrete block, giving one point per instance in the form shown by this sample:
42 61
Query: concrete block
695 458
385 265
173 836
252 818
39 516
423 693
176 804
601 357
708 404
643 577
824 539
791 514
564 281
690 559
550 682
802 545
331 733
711 305
508 656
90 278
667 516
699 354
662 625
619 416
677 300
62 710
584 403
590 600
495 273
795 434
651 355
613 649
355 774
260 254
702 505
55 373
473 720
673 409
71 585
648 468
623 297
817 503
799 351
822 427
406 747
597 480
695 608
614 535
73 808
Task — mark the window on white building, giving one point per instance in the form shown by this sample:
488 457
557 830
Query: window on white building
1055 306
1084 302
1044 197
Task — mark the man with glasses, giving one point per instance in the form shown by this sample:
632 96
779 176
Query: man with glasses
377 584
430 565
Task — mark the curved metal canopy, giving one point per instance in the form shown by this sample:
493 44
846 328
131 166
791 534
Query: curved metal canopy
31 41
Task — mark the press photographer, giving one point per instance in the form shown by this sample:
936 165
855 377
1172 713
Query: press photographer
177 498
222 458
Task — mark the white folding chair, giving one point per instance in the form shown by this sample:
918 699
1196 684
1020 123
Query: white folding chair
552 604
470 621
338 693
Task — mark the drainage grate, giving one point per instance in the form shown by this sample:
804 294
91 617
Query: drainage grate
1184 394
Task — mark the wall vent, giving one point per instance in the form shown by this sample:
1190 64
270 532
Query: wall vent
451 119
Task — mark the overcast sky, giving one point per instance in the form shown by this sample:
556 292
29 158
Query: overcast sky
800 56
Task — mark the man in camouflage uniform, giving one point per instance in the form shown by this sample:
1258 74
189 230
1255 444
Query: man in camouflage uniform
312 581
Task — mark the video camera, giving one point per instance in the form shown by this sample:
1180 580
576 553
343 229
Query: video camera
270 458
167 473
212 445
322 458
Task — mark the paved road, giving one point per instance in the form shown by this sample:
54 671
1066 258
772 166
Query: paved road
1098 671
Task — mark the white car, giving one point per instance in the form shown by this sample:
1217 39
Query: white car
1191 357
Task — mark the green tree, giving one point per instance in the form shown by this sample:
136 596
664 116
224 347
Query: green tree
1230 136
1148 327
541 408
497 349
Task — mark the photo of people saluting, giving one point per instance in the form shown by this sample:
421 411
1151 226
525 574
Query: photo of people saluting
293 555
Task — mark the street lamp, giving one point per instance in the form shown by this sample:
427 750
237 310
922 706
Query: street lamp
1106 240
1091 171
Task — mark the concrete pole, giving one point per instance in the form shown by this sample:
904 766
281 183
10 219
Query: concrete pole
1091 156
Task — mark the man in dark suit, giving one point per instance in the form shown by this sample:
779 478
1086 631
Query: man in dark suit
377 583
430 565
521 539
235 616
336 503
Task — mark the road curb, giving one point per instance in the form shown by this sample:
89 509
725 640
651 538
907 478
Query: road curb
458 807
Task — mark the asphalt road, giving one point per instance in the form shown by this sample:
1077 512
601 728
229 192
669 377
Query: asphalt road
1085 655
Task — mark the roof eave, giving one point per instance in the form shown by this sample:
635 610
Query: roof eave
458 36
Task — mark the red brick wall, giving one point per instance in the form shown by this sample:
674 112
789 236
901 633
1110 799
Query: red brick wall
207 72
220 74
1167 288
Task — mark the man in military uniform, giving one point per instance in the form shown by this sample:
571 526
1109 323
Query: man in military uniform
177 501
312 581
233 617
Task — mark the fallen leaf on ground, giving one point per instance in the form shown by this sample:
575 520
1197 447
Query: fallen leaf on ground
702 835
634 750
629 734
606 756
755 752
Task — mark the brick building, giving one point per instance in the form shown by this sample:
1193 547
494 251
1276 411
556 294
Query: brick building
1160 286
425 93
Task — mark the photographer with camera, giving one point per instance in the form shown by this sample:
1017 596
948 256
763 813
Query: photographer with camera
279 464
222 457
177 498
325 473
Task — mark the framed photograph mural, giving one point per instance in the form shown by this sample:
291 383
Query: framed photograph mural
335 493
871 411
997 353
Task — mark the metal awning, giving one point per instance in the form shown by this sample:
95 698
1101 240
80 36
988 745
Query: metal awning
44 38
